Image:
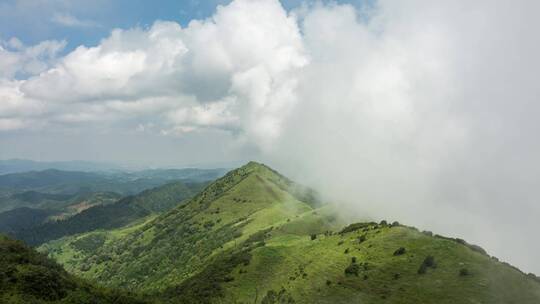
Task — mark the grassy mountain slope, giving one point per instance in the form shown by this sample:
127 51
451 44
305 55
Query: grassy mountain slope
253 237
165 197
29 277
362 267
179 243
114 215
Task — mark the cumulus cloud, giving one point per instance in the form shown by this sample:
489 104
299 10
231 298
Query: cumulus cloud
233 71
422 112
18 60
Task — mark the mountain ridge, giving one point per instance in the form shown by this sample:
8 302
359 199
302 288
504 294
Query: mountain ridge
247 237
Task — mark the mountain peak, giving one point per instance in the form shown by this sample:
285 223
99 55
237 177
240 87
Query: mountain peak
256 167
253 165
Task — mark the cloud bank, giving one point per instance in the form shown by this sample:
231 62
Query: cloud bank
422 112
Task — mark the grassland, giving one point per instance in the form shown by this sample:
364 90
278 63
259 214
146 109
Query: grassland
254 236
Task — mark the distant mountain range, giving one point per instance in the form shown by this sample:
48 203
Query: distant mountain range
24 165
47 188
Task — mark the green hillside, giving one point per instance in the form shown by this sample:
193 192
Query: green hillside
253 236
113 215
173 246
29 277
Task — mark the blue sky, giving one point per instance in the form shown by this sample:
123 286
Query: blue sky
81 22
35 21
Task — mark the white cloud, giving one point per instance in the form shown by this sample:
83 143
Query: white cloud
424 112
10 124
72 21
16 59
235 70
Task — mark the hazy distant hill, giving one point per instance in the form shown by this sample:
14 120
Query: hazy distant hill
54 189
252 237
24 165
106 216
120 182
47 178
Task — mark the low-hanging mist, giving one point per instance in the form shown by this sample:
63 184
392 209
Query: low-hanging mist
421 112
424 113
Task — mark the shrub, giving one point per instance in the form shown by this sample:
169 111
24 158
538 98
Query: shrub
356 226
362 238
429 262
460 241
464 272
209 224
399 251
85 267
477 248
340 243
384 223
352 269
313 237
272 297
428 233
534 277
395 224
353 260
346 251
258 236
328 282
397 276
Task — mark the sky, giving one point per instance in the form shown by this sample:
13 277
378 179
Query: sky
424 112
